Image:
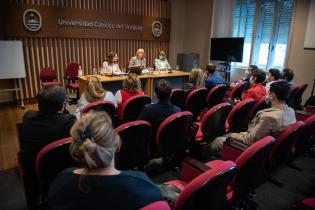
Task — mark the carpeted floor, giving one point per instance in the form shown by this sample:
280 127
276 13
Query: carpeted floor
297 185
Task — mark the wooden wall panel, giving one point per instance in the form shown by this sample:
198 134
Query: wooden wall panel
57 52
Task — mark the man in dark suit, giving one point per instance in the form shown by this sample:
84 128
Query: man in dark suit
39 129
156 113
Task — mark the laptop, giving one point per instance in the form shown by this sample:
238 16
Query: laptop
136 70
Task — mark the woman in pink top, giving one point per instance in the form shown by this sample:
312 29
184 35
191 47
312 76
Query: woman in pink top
131 87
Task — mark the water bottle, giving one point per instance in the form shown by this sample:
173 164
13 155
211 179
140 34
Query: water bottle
94 71
80 71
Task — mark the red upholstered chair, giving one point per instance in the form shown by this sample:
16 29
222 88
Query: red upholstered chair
158 205
306 139
212 124
289 100
196 101
178 98
259 105
306 204
282 150
172 136
106 106
238 118
238 90
250 170
71 75
134 151
50 161
47 76
133 106
310 109
215 95
296 97
206 191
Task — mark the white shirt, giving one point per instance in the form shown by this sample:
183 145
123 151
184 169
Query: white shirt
107 69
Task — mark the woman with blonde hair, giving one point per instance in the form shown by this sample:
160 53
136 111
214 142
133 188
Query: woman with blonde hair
138 60
131 87
97 184
196 80
94 91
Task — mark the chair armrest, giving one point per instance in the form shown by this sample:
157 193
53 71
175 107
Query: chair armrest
232 148
310 109
192 168
301 115
237 144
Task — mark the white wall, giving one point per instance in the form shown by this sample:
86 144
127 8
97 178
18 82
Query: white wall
190 28
300 60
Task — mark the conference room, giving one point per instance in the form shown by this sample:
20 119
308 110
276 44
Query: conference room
157 104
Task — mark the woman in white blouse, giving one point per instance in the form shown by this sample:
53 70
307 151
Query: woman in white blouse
110 66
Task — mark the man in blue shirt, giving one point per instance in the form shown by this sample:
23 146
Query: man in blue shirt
156 113
211 79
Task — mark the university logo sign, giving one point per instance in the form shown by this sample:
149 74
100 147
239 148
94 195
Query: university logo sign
157 28
32 20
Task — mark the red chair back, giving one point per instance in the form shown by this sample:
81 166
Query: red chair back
47 74
239 89
106 106
178 98
158 205
133 106
208 190
51 160
213 123
296 97
215 95
302 144
238 118
251 163
282 151
259 105
196 101
172 136
72 70
135 139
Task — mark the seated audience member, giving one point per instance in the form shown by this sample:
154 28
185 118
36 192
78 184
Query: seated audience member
248 73
256 89
269 121
39 129
273 75
98 184
247 76
288 75
161 62
156 113
94 92
131 87
195 80
110 66
211 79
138 60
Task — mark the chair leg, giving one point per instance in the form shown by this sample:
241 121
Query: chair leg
274 181
293 166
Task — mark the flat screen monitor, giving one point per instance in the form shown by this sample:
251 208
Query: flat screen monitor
227 49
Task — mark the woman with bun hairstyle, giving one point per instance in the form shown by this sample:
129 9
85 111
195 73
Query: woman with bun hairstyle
97 184
94 91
